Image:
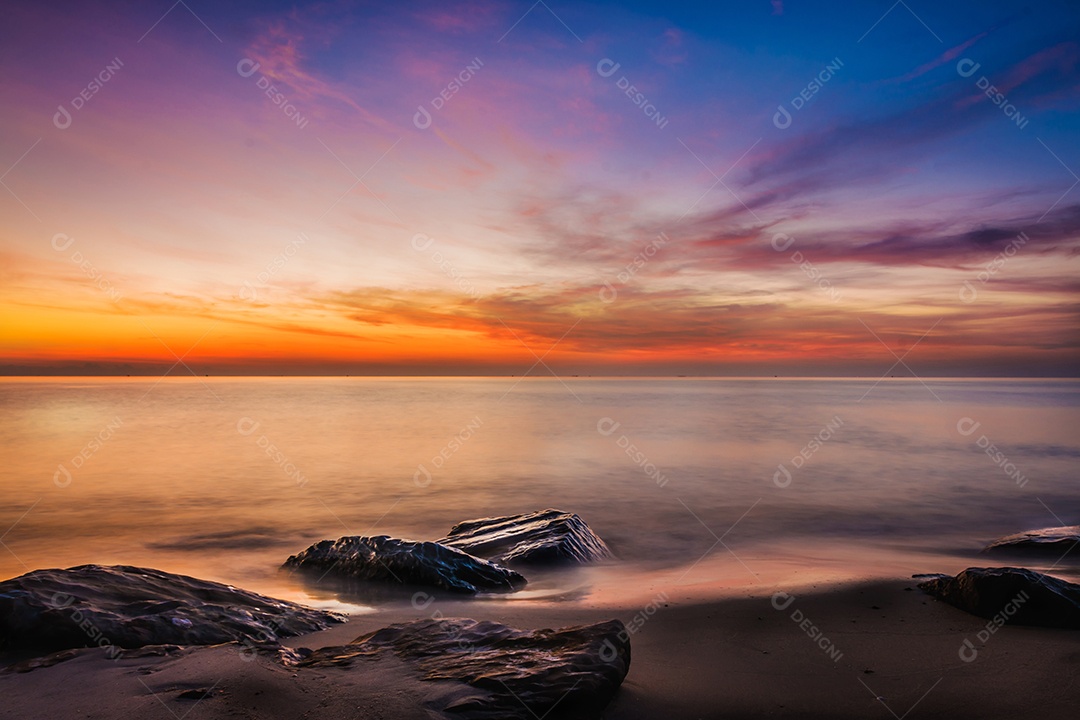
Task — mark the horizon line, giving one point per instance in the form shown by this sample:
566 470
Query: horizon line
529 376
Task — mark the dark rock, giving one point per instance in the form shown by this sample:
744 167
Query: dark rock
1054 541
405 562
147 651
42 662
129 607
513 673
539 538
1016 596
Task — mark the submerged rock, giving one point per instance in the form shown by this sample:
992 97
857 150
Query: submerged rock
511 673
1054 541
120 606
1015 596
538 538
407 563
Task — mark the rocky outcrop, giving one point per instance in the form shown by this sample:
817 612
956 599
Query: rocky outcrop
545 537
501 672
120 606
1010 595
1054 542
405 562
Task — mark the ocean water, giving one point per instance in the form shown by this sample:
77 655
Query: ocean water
707 483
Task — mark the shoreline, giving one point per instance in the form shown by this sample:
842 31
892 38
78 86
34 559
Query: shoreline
735 657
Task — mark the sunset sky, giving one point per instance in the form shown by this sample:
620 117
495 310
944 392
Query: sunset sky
792 188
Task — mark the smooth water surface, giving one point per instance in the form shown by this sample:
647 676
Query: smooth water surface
223 478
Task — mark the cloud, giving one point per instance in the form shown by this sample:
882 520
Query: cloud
278 50
1049 73
669 49
947 56
856 149
911 244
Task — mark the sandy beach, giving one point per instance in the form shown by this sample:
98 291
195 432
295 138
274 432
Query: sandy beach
861 650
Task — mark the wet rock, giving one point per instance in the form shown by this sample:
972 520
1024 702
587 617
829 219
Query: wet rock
503 672
1054 542
149 651
44 661
120 606
1015 596
539 538
406 562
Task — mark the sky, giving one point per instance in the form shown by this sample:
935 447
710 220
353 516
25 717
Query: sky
495 187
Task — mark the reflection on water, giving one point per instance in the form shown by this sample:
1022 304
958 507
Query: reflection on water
546 584
224 478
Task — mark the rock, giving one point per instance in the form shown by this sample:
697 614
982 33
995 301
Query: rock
539 538
406 562
1054 541
129 607
510 673
1016 596
43 661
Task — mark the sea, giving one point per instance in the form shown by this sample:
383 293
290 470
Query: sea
700 486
